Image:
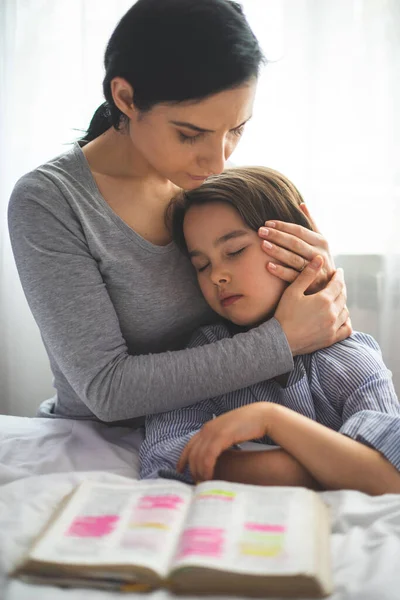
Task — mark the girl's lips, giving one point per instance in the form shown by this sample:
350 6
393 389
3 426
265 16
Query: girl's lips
230 300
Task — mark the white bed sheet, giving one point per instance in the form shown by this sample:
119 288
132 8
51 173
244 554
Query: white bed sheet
41 460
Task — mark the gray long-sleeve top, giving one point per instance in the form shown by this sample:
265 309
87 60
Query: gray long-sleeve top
115 311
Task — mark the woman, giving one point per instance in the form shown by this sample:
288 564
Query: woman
113 297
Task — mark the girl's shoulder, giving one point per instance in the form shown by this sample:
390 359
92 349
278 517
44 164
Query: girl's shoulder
350 362
209 334
357 346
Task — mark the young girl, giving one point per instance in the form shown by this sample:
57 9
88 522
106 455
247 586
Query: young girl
335 416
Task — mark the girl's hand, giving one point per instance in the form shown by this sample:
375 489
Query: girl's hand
246 423
294 246
312 322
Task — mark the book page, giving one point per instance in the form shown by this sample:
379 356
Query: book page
248 529
133 524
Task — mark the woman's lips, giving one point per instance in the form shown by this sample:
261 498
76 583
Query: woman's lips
198 177
230 300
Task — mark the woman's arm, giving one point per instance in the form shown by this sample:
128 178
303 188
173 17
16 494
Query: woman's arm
79 324
78 321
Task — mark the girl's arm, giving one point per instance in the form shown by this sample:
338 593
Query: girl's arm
263 467
166 434
333 460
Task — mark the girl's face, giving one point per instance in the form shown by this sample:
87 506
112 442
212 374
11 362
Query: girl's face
187 142
230 264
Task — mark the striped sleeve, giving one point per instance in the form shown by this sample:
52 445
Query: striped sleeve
356 381
209 334
166 435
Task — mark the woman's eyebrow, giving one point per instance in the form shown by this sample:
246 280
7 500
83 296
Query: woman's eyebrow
221 240
200 129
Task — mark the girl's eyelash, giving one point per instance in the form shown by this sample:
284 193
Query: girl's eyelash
191 139
201 269
237 252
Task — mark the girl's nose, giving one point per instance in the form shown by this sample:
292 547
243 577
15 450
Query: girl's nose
219 277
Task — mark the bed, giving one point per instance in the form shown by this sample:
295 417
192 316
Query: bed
41 460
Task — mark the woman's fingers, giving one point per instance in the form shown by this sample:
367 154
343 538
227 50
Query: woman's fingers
286 248
290 258
343 317
312 322
304 209
340 305
336 289
344 331
305 278
282 272
285 234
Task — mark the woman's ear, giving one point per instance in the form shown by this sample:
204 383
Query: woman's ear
122 93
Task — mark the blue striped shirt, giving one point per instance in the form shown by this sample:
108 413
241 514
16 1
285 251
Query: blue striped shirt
346 387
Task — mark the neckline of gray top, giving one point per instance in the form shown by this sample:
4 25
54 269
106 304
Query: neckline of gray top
126 229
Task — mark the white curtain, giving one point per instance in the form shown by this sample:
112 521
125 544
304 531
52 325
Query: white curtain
326 115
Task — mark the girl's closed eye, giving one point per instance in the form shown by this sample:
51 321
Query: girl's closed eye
237 252
229 254
201 269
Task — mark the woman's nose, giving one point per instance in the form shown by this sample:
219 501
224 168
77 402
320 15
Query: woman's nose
214 160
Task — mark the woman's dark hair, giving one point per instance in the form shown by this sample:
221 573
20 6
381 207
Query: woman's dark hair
171 51
259 194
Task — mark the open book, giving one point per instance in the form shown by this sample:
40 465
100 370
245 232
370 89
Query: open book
214 538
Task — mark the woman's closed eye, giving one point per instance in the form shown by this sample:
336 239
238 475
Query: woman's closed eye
191 139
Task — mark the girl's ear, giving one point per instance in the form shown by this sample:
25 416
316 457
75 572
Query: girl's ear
305 211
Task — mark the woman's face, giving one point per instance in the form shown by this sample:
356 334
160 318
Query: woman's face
230 264
187 142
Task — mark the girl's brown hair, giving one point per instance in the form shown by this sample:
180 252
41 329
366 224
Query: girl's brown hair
259 194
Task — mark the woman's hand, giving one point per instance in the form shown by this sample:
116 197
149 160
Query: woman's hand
312 322
294 246
202 451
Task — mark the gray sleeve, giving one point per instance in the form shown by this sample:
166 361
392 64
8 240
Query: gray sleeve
79 325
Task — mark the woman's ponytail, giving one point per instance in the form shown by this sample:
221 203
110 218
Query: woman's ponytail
159 44
101 121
